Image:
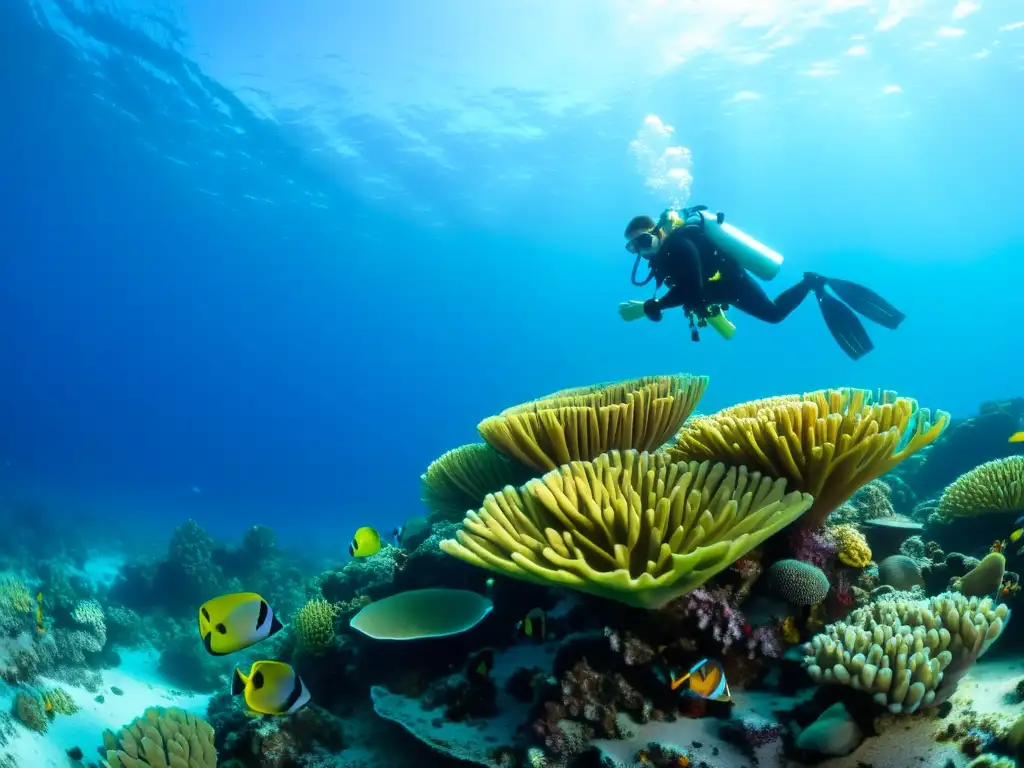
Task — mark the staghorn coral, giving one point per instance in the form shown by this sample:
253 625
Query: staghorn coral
995 486
797 582
853 547
908 654
461 478
314 625
827 443
161 738
582 423
632 527
714 611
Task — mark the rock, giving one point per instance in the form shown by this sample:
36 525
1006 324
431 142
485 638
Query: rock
835 733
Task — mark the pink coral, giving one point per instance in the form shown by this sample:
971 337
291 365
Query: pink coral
713 610
815 546
765 641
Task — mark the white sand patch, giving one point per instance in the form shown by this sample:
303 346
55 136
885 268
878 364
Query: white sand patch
101 569
910 742
141 687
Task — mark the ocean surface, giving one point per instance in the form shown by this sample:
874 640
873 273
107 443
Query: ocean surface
262 262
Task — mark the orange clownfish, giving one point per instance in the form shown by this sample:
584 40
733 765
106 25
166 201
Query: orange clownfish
706 678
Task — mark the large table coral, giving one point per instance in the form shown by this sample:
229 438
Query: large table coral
634 527
908 654
827 443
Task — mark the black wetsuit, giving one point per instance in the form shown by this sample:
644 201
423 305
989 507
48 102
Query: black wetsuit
700 279
698 276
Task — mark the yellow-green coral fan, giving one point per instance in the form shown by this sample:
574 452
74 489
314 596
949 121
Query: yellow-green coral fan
582 423
908 654
995 486
161 738
630 526
314 625
827 443
461 478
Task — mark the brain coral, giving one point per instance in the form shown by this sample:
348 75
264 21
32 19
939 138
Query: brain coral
797 582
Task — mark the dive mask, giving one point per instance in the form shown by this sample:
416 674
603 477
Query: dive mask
644 244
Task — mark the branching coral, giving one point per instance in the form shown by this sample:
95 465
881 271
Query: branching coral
995 486
633 527
909 654
161 738
827 443
580 424
853 547
816 546
462 477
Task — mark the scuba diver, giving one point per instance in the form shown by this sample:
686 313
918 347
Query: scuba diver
709 266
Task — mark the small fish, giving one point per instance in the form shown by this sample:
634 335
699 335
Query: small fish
366 542
1018 529
534 625
480 664
232 622
1017 437
270 688
715 277
706 678
396 535
40 625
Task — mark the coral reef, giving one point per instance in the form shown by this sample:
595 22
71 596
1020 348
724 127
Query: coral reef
314 625
582 423
162 738
907 654
633 527
461 478
797 582
995 486
853 547
827 443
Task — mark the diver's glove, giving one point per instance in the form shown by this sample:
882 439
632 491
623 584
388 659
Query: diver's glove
631 310
652 309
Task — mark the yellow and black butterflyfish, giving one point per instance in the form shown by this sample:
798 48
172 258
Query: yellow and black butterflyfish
40 624
365 542
480 663
534 625
706 678
1017 437
232 622
270 688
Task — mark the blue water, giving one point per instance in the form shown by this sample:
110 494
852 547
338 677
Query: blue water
262 262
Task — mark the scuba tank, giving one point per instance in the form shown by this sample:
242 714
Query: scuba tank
753 256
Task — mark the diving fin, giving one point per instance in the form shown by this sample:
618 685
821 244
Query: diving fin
844 325
866 302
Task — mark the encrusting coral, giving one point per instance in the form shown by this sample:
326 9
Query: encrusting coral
161 738
462 477
630 526
582 423
995 486
853 547
908 654
827 443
